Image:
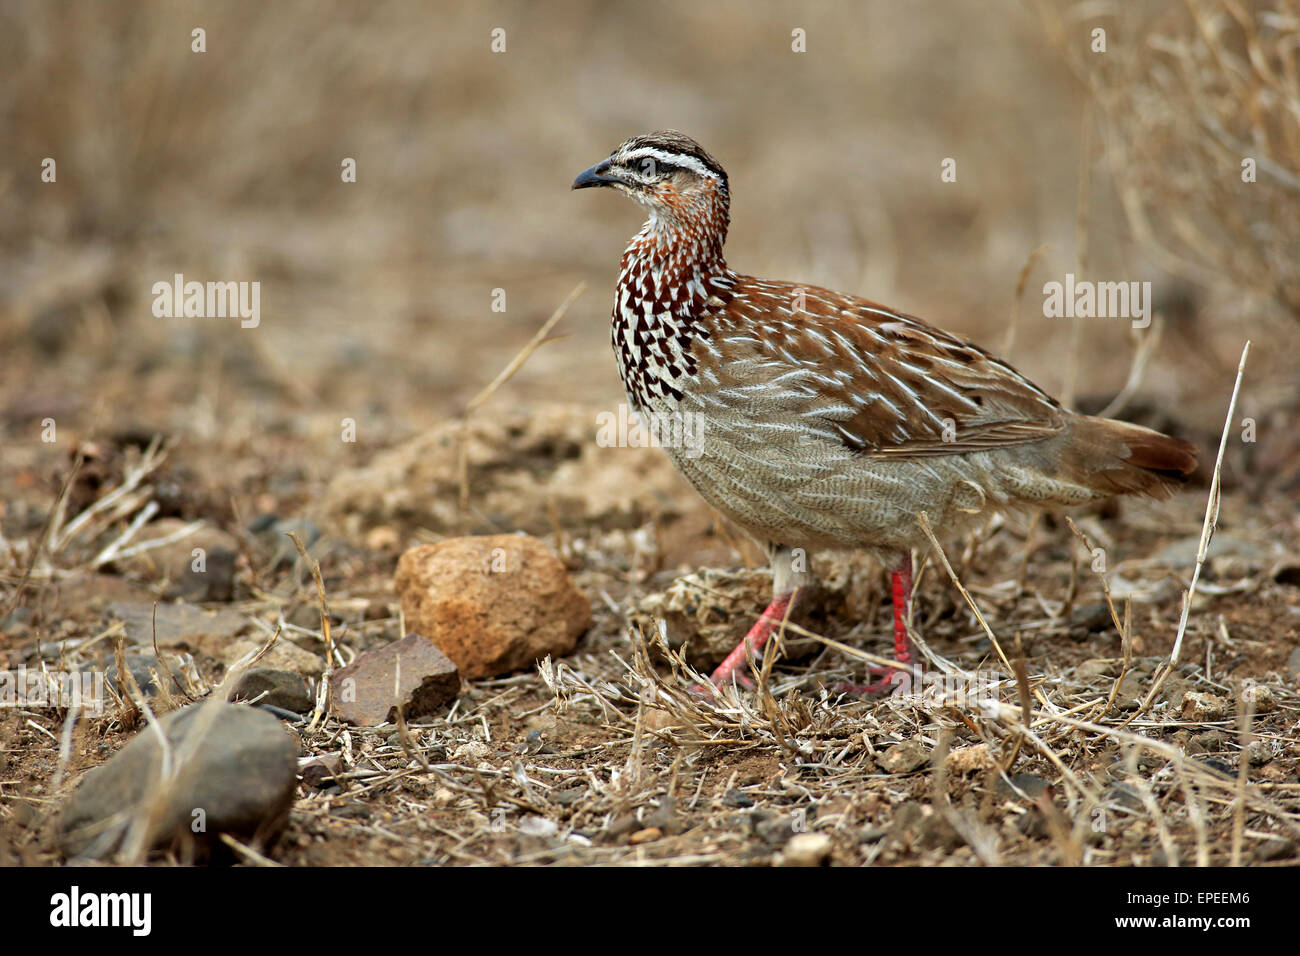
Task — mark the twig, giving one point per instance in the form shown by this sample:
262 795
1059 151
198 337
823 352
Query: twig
1207 532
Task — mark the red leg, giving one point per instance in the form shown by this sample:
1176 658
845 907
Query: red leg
758 635
901 581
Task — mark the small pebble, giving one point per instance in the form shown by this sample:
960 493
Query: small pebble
807 849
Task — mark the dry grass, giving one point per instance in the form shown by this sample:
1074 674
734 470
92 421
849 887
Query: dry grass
1187 92
1038 735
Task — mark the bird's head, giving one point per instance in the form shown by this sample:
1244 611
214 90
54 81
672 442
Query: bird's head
668 173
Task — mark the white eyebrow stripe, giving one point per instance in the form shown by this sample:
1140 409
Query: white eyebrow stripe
670 159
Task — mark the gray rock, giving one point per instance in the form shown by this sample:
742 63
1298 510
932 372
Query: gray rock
1124 795
1183 553
177 624
200 566
1130 692
240 779
283 689
143 667
1028 784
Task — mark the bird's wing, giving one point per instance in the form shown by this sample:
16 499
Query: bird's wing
881 382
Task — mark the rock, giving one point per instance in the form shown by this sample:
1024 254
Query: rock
383 538
648 835
177 625
1293 662
1201 706
1260 697
275 688
807 849
1097 667
904 758
1274 848
494 604
284 656
318 771
178 671
1092 617
1259 752
533 825
1021 784
240 779
1129 694
970 760
208 575
472 753
1183 553
1124 795
365 692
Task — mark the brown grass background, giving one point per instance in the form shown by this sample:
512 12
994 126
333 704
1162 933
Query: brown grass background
225 165
376 306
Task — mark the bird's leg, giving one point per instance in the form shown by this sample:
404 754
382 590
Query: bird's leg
789 573
901 587
766 625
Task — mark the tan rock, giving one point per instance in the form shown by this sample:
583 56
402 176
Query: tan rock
1201 706
807 849
494 604
971 759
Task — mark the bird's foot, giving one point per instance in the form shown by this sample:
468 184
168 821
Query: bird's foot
767 624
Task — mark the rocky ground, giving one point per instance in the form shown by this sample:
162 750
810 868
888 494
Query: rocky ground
350 603
545 674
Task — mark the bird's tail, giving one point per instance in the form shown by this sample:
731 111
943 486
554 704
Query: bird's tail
1119 458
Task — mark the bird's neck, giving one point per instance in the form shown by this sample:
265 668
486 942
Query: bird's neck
674 252
671 270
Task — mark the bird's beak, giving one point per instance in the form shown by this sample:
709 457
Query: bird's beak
597 175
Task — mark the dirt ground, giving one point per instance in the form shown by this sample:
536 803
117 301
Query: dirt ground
1055 732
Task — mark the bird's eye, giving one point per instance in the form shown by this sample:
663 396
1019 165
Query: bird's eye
648 167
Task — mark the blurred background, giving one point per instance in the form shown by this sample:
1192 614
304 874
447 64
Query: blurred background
376 296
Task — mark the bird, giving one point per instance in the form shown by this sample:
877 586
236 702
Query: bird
818 419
